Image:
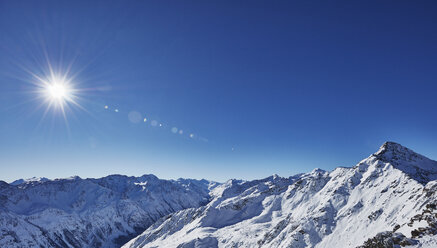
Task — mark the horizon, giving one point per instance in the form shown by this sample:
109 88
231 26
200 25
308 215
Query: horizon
175 179
212 90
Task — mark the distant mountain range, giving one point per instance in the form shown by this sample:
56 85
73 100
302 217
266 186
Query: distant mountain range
387 200
103 212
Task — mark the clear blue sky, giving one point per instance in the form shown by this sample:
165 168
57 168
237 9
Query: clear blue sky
265 86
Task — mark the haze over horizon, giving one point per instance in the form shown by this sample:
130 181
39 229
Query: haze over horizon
213 90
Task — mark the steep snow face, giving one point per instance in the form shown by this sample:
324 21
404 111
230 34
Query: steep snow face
103 212
342 208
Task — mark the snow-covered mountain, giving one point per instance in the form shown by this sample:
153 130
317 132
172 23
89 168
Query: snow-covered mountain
30 180
103 212
387 200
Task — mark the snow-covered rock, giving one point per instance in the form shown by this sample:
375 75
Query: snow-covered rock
103 212
375 200
30 180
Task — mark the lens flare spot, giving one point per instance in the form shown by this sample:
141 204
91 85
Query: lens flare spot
134 117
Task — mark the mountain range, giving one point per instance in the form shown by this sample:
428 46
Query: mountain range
387 200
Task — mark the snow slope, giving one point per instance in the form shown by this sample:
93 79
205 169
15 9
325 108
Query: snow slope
346 207
103 212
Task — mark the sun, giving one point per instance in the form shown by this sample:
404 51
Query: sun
57 90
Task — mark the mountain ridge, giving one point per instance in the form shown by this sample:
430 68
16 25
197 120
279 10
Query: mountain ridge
349 206
414 164
90 212
340 208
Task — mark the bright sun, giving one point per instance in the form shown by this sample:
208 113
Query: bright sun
57 91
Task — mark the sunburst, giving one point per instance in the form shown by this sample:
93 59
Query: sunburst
57 91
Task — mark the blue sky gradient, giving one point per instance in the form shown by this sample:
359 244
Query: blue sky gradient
265 87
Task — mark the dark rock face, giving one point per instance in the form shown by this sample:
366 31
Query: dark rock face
388 240
393 238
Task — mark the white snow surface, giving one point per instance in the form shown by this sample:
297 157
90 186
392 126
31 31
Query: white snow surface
104 212
341 208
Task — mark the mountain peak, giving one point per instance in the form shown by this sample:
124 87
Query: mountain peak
30 180
418 166
395 153
392 147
